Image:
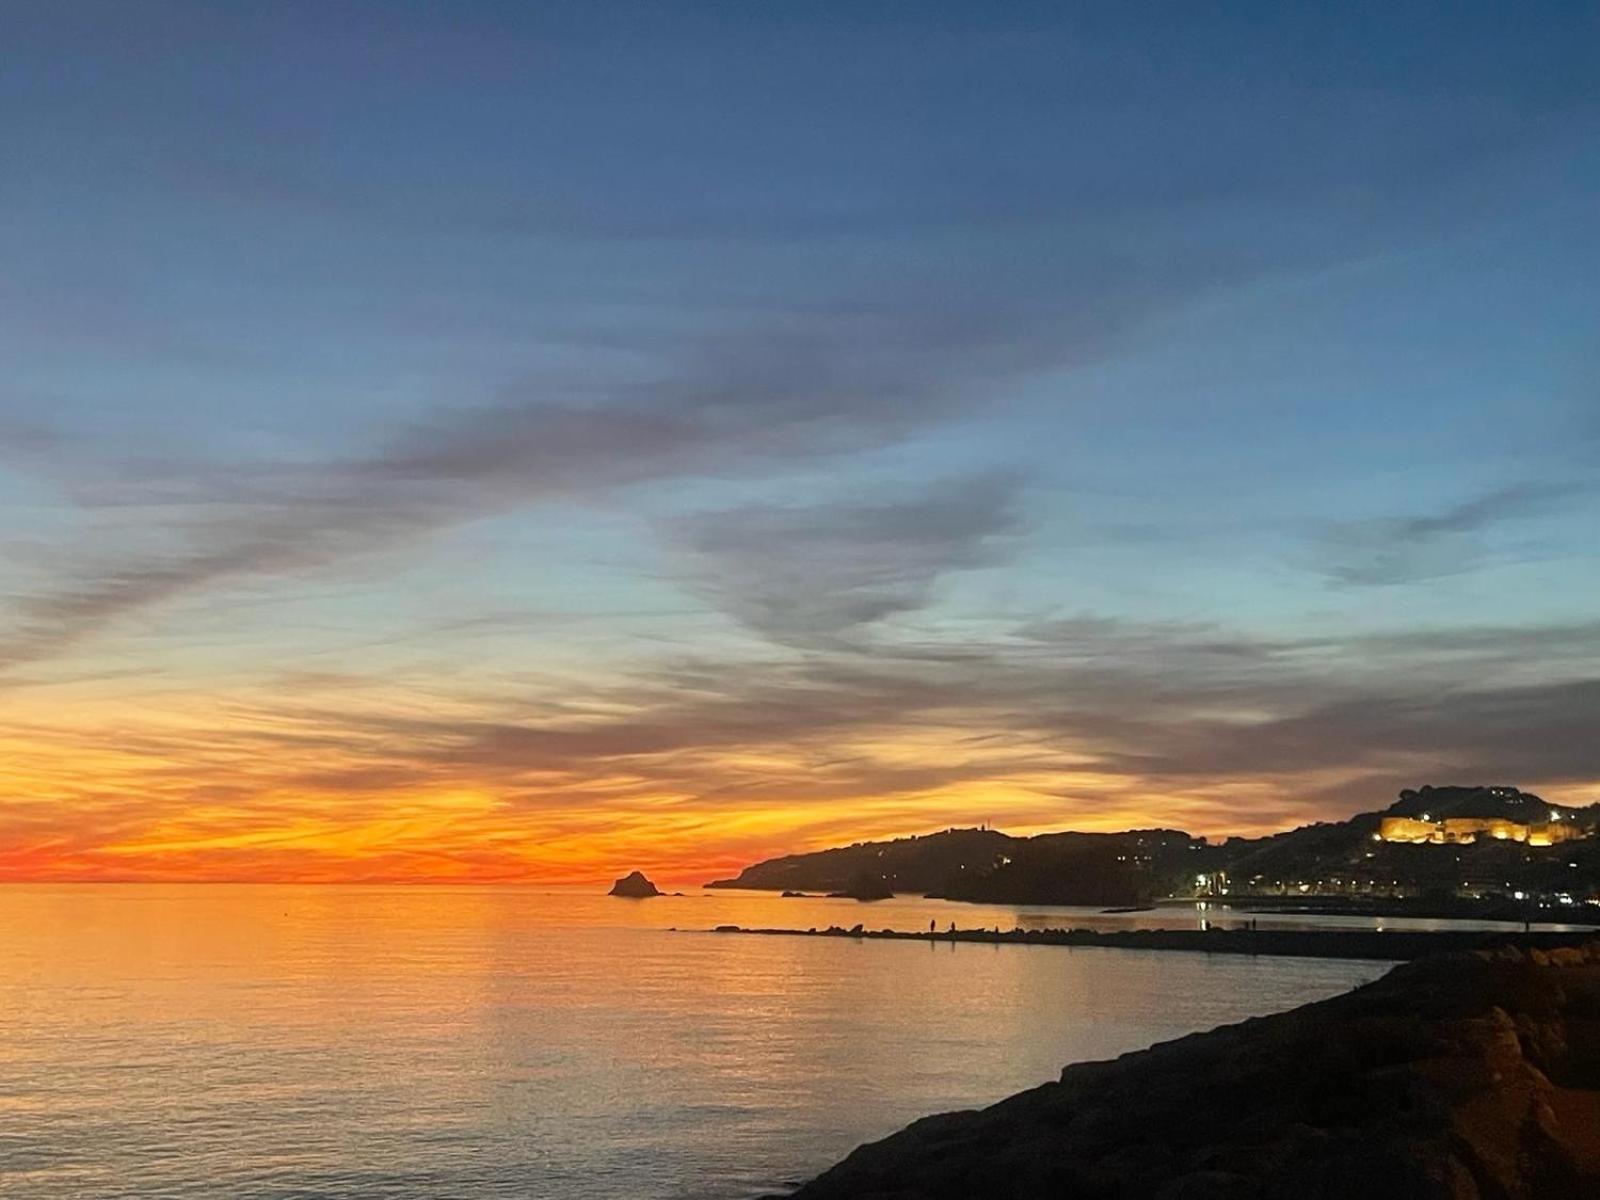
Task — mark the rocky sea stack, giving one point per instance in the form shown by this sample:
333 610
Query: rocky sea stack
634 886
1456 1077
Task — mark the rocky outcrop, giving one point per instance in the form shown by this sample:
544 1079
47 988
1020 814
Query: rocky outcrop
866 885
1049 870
634 886
1457 1077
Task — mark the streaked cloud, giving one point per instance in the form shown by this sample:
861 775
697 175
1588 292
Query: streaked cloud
813 575
1087 724
1409 549
763 402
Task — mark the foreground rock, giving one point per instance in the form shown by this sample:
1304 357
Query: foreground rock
634 886
1457 1077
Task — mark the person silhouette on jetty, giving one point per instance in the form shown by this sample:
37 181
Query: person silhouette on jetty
931 924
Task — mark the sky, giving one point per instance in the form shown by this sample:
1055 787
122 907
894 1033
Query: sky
534 441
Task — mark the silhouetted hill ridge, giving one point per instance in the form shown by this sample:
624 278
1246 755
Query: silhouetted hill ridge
1325 858
985 864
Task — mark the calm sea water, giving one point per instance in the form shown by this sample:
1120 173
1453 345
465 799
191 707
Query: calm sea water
431 1042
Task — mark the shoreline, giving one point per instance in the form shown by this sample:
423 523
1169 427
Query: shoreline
1459 1075
1506 911
1398 945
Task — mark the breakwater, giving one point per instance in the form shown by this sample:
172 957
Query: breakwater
1388 944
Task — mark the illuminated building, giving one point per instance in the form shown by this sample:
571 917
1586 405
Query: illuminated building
1471 829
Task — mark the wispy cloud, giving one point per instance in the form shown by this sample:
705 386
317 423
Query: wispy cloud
812 575
760 402
1089 722
800 386
1407 549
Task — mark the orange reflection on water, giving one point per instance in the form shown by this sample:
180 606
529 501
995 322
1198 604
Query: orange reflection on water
196 1041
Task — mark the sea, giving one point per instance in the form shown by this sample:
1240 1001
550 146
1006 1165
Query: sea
432 1042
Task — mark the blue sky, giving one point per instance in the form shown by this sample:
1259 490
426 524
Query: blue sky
1159 392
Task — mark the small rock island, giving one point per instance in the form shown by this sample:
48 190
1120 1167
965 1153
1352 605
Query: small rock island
634 886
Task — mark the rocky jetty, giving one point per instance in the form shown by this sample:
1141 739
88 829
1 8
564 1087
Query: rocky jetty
1394 945
634 886
1456 1077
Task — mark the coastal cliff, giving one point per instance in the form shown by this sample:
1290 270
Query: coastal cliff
1457 1077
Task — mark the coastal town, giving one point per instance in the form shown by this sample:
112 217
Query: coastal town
1446 851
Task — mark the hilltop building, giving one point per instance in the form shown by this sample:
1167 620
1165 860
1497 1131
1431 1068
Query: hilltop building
1459 830
1460 815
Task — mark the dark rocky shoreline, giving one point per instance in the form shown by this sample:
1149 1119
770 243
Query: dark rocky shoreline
1470 1076
1394 945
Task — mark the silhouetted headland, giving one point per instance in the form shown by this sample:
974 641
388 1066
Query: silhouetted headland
1458 1077
1482 852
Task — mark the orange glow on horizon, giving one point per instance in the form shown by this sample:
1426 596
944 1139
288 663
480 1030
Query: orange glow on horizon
445 838
201 787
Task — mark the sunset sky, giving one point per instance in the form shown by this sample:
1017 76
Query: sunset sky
531 442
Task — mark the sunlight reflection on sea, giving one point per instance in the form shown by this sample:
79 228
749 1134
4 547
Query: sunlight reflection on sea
375 1042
